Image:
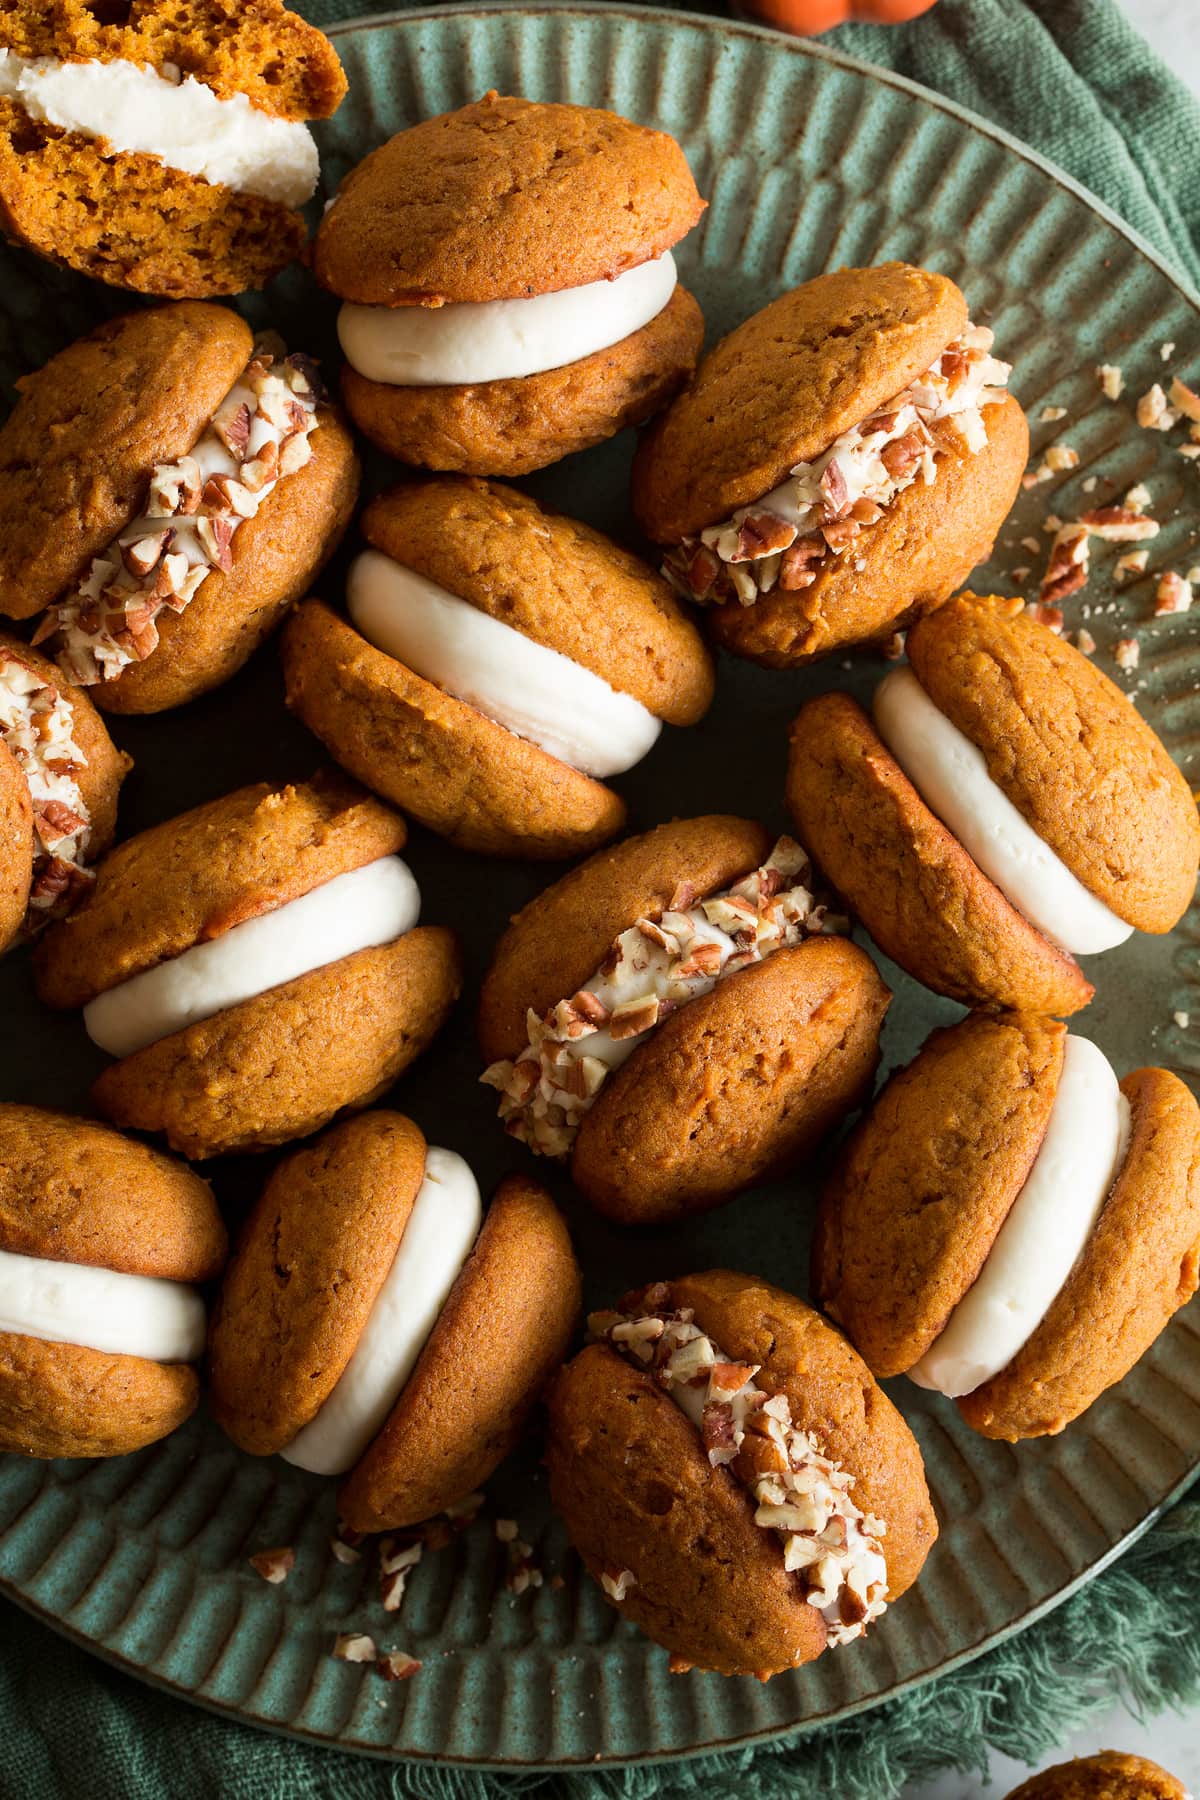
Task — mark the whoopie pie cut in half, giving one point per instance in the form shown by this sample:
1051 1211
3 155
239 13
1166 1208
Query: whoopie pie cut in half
375 1324
254 965
733 1477
509 293
161 145
838 466
678 1017
169 486
1005 810
499 662
102 1243
1011 1226
60 777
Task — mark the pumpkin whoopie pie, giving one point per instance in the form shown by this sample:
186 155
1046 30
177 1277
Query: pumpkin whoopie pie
256 966
1112 1775
161 145
59 781
101 1241
508 290
375 1324
733 1477
168 487
674 1016
1009 1225
499 660
839 465
1007 810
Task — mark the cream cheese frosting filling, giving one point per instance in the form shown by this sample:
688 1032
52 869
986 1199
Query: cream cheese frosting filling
126 107
260 433
654 967
367 906
818 512
437 1241
100 1309
500 340
951 775
833 1548
37 725
1046 1229
533 691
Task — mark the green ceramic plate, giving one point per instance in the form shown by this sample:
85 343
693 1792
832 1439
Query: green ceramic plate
808 161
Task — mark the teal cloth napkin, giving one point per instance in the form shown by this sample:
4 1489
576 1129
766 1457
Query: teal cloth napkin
1071 78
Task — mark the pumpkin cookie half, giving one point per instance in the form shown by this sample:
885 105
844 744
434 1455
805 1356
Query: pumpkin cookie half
1112 1775
255 965
674 1016
1007 811
59 781
168 488
161 146
101 1241
508 289
838 466
733 1477
1010 1226
376 1325
498 663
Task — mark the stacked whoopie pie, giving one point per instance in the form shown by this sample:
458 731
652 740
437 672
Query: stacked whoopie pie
1112 1775
508 285
839 465
60 777
1007 810
101 1244
499 661
676 1017
255 965
373 1323
733 1477
161 145
1011 1226
168 488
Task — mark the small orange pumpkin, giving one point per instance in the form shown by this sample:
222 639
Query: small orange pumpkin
808 18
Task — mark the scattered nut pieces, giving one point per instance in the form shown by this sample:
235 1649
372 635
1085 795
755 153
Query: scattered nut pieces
506 1530
354 1646
1085 643
617 1583
1132 563
1066 570
343 1552
1127 654
1185 400
1182 1019
1050 415
1112 381
1138 498
1166 351
1153 413
397 1665
1173 594
274 1565
1062 456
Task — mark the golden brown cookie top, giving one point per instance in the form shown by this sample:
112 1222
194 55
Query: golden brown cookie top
503 199
928 1178
77 451
306 1273
555 581
1074 757
783 385
832 1394
1112 1775
1138 1266
501 1333
559 940
78 1192
196 876
282 64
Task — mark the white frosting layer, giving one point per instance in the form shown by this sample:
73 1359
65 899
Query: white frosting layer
437 1241
497 340
180 121
950 773
371 905
1049 1223
98 1309
530 689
